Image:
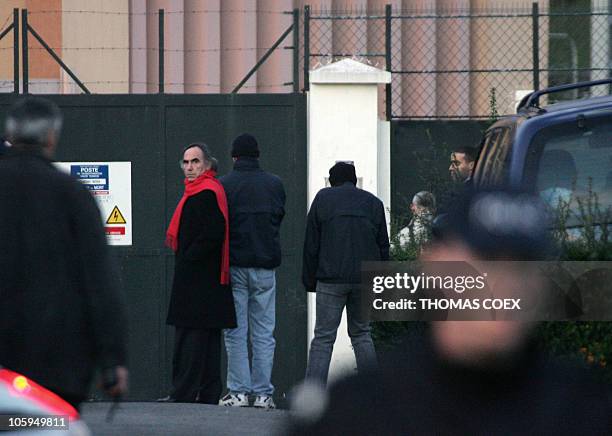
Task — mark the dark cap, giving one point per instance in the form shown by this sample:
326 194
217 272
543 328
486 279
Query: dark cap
245 145
341 173
498 223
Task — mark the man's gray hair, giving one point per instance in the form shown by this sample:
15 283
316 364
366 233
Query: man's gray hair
30 120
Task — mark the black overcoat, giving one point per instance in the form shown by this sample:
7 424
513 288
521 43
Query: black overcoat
198 298
61 314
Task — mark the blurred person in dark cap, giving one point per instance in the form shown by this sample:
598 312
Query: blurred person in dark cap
61 315
345 226
468 377
256 202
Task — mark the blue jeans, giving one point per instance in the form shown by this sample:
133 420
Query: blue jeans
331 300
254 292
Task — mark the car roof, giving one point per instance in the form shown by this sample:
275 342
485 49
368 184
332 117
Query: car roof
581 104
592 103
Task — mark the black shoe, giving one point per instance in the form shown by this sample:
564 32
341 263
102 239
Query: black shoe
167 399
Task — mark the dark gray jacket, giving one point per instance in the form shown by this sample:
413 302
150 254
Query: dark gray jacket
61 314
256 201
346 225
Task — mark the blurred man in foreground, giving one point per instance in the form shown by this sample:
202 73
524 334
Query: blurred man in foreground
468 377
61 316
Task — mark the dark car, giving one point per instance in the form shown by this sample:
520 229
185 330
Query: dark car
562 151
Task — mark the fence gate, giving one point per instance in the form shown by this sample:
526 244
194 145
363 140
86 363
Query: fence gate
150 131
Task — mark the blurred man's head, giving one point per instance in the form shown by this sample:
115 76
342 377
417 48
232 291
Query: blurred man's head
341 173
462 163
34 121
492 225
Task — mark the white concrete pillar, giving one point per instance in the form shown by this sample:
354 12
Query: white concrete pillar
238 44
453 54
419 54
202 46
278 68
343 124
138 47
174 47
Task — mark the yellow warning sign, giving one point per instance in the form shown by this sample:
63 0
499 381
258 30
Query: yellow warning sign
115 217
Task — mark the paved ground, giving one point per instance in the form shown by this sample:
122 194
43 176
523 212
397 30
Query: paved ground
136 419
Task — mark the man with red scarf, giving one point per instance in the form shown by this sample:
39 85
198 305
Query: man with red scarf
201 303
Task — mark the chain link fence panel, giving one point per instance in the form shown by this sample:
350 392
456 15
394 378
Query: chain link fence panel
469 63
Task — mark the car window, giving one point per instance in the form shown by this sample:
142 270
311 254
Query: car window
572 162
489 139
492 167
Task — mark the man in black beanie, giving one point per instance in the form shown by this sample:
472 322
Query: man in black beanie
256 202
346 225
341 173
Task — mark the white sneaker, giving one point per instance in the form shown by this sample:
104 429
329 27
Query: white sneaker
264 402
234 400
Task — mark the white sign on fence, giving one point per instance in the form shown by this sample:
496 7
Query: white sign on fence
111 185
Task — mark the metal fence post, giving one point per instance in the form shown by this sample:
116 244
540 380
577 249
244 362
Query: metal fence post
306 47
535 14
388 102
161 51
296 50
24 48
16 51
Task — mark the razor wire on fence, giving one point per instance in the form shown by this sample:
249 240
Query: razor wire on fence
445 62
104 48
473 63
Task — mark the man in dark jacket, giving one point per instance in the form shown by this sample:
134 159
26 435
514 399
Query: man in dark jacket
346 225
60 312
201 302
256 207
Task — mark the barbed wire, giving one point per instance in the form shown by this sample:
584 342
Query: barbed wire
195 11
166 50
127 82
433 15
5 21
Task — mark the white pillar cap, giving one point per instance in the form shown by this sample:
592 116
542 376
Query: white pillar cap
349 71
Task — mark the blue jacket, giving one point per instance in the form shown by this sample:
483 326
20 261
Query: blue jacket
256 201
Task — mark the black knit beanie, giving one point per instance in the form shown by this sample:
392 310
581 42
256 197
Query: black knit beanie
245 145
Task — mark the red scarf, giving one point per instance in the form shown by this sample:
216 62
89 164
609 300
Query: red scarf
206 180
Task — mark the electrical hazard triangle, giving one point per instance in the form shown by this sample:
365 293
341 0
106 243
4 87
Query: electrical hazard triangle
115 217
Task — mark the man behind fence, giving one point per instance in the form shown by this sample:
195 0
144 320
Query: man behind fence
61 315
346 225
256 207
